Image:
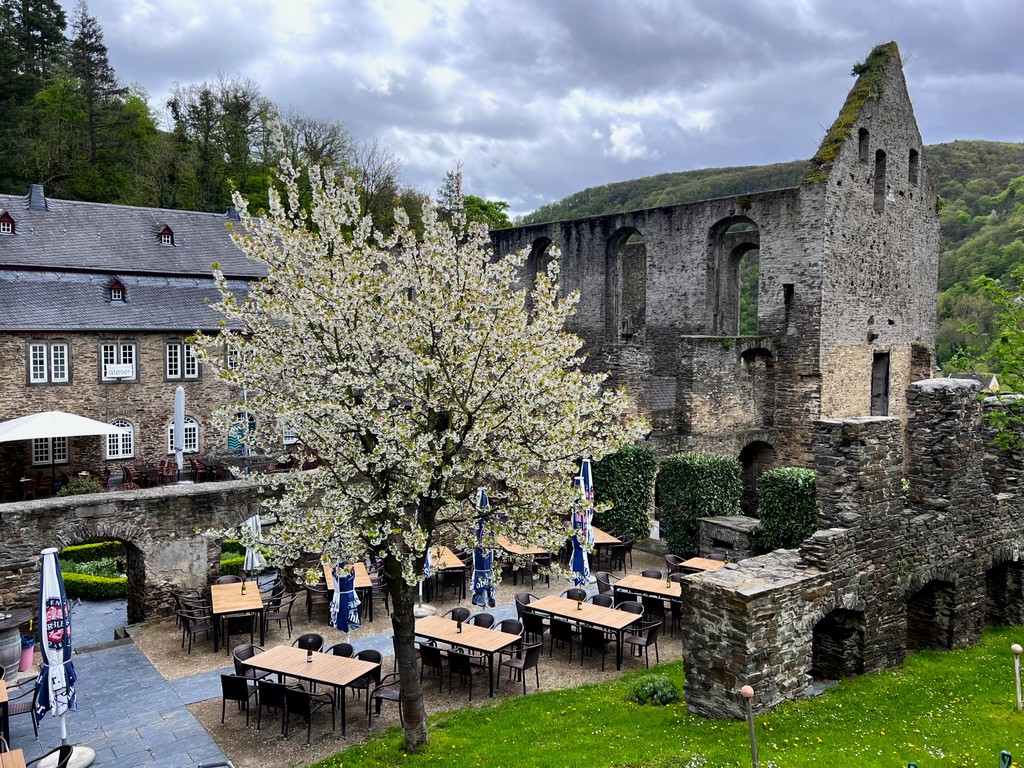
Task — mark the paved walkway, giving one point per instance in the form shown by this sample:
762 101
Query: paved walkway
127 712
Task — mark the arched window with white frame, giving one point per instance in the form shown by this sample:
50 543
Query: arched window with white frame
191 436
121 446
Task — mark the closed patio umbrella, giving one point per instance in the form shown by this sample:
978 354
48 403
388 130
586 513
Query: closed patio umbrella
254 559
345 603
483 559
582 517
56 683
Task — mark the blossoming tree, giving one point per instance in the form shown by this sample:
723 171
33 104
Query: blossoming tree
416 370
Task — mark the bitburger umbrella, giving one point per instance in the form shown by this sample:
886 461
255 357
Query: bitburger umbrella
483 559
582 517
345 603
55 686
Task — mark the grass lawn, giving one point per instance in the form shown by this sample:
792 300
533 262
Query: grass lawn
953 709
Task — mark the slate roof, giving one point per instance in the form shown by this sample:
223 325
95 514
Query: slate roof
118 238
76 301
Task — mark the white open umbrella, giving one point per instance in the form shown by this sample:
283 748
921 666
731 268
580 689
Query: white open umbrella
51 424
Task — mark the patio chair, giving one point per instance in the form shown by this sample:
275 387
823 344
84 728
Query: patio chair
652 573
299 701
388 690
368 680
28 489
485 620
617 556
310 641
228 579
24 703
673 563
243 653
270 695
344 650
605 600
379 591
523 599
528 659
194 623
562 632
282 612
604 582
465 666
645 636
593 639
239 624
431 657
236 688
676 607
575 593
654 608
534 625
542 563
316 596
459 613
455 580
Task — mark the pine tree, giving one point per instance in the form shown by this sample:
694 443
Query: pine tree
101 95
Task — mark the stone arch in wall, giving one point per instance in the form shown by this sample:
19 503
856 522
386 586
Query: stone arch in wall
837 645
137 543
754 458
930 610
734 275
626 285
757 369
536 263
1004 593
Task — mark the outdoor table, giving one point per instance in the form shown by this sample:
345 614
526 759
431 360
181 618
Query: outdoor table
363 585
588 613
702 564
228 599
485 641
326 668
13 759
447 561
602 539
517 549
647 586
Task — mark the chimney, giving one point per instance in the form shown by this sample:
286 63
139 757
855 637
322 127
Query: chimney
37 198
232 214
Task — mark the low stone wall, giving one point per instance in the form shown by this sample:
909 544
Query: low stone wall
731 535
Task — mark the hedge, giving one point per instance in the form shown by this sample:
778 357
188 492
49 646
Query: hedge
84 553
78 486
624 479
232 546
95 587
691 486
787 507
231 566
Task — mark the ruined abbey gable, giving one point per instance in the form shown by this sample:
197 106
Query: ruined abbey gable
846 273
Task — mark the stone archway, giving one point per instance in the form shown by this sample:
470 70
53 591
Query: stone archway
837 645
734 274
626 286
930 612
137 542
1004 593
754 459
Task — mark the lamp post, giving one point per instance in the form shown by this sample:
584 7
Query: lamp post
748 694
1016 671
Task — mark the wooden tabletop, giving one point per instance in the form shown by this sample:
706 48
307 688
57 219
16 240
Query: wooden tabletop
472 637
325 667
601 537
657 587
518 549
228 598
597 615
3 694
703 563
362 576
13 759
448 559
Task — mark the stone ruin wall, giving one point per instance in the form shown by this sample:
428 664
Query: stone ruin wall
892 578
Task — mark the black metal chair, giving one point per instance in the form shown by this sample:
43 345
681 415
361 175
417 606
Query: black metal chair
575 593
605 600
534 625
282 612
604 581
561 632
652 573
645 636
299 701
433 658
673 563
236 688
316 596
341 649
243 653
310 641
484 620
528 659
270 695
388 690
459 613
371 678
593 639
465 666
523 599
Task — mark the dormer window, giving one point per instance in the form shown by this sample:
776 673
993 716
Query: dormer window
6 224
117 291
166 236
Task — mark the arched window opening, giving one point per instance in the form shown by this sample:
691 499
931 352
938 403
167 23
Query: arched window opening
536 264
913 167
879 181
837 646
626 286
191 436
240 432
863 145
754 460
734 283
121 446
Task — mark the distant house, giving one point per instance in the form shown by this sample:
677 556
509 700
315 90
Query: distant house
989 382
98 304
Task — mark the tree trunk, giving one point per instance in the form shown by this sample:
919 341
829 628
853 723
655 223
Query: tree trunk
403 600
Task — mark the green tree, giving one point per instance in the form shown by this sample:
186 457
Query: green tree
410 365
490 213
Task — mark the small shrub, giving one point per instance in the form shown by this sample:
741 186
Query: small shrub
787 507
84 553
624 479
77 486
110 567
691 486
653 689
95 587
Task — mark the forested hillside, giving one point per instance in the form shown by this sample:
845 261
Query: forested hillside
981 189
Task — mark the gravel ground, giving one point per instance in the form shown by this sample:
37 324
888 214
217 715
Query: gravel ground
249 748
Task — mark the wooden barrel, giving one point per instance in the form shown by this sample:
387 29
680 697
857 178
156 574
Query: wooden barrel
10 650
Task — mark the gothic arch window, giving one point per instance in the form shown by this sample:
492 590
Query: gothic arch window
626 285
734 280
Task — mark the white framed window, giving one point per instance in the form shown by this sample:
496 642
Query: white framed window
42 448
191 436
121 446
166 237
48 362
6 227
180 361
117 292
118 361
288 436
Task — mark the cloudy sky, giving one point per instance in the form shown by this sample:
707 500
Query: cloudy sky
542 98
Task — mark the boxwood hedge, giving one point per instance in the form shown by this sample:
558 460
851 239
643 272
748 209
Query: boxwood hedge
691 486
787 507
624 479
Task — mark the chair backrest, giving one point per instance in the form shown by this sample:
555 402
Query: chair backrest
533 623
309 641
234 687
678 577
531 655
575 593
341 649
510 626
230 579
244 652
298 701
485 620
523 599
604 600
653 629
459 663
431 656
673 562
459 613
604 581
271 694
632 606
719 556
370 655
652 573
